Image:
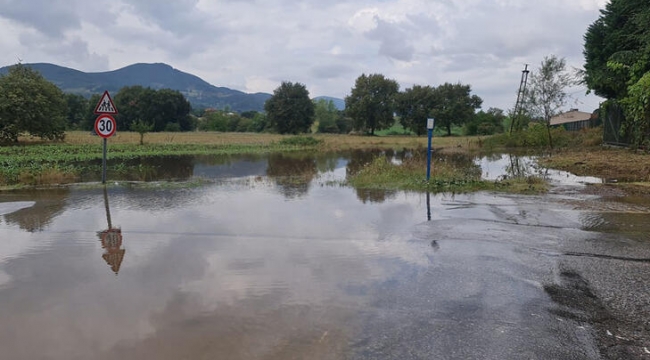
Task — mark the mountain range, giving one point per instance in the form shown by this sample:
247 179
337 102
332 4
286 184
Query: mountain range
200 93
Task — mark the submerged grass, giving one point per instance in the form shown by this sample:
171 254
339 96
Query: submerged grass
34 162
445 177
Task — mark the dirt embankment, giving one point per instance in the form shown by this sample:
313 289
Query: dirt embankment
623 170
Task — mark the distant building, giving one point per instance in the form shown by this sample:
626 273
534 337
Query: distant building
574 120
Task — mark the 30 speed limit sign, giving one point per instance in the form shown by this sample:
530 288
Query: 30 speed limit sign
105 126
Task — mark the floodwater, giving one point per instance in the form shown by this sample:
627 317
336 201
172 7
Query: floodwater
274 259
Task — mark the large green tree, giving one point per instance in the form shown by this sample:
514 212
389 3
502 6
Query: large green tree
617 48
30 104
164 109
371 103
454 105
414 107
290 110
617 63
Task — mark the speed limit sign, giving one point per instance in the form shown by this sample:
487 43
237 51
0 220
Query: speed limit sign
105 126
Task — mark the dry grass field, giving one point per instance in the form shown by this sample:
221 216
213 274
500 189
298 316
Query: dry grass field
330 142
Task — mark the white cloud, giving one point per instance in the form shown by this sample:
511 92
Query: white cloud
253 45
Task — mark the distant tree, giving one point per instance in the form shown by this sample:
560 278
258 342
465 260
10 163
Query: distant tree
326 115
260 123
249 114
486 122
30 104
215 121
157 107
414 107
77 109
547 91
88 121
131 103
454 105
141 127
290 110
371 103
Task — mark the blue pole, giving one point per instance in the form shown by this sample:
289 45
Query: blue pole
430 131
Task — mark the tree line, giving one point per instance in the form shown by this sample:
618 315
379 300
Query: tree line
29 104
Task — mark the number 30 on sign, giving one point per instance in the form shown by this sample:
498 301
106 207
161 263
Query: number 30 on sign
105 126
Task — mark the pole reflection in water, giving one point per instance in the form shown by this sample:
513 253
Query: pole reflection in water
428 206
111 241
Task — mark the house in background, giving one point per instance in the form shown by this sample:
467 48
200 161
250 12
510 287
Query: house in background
574 120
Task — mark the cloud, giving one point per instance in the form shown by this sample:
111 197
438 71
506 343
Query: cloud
253 45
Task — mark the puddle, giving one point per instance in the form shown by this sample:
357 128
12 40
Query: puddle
275 262
512 166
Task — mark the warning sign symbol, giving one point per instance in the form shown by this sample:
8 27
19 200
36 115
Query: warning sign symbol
105 105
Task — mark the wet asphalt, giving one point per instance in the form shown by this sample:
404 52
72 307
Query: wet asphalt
516 278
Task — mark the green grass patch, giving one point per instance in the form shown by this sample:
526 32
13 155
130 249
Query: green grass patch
56 163
446 176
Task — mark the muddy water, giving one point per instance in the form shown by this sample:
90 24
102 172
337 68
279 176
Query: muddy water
277 260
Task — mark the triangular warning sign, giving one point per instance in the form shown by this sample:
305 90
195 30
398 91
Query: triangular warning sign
105 105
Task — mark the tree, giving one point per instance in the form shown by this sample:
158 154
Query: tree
454 105
617 63
77 108
141 128
547 91
486 122
371 103
617 48
414 107
29 103
165 109
326 114
290 110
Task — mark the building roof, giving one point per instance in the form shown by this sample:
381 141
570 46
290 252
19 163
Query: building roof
570 116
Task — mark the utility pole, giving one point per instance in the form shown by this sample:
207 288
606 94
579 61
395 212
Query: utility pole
520 98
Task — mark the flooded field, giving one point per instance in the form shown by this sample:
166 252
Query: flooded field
272 257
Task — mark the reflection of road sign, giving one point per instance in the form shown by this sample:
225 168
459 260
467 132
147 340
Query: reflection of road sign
105 126
105 105
111 238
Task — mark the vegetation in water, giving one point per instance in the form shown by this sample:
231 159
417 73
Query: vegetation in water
449 174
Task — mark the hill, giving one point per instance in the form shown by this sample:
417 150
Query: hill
157 76
200 93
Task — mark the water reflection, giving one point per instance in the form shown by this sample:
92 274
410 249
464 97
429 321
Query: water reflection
235 271
48 204
111 240
293 173
146 168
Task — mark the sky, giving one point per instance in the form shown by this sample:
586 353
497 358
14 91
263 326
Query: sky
254 45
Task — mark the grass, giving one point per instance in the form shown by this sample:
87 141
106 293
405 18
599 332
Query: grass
33 162
446 176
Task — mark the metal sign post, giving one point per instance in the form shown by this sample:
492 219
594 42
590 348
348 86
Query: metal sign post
105 125
430 125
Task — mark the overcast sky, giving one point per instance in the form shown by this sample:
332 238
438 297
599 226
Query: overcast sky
253 45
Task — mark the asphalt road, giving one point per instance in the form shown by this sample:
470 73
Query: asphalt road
517 278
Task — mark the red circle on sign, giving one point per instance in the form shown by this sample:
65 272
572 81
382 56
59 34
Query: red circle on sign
105 126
